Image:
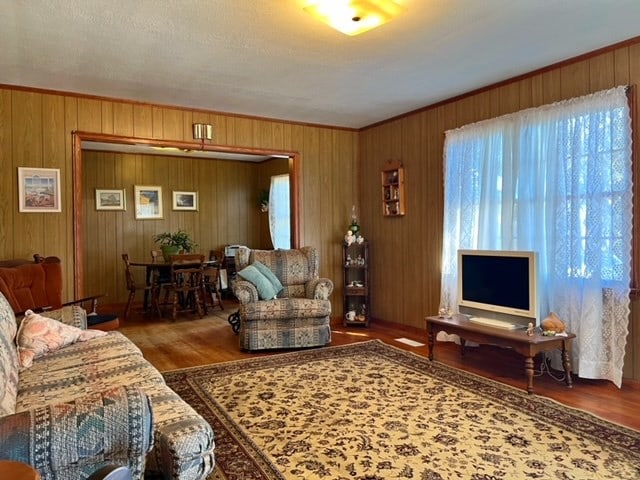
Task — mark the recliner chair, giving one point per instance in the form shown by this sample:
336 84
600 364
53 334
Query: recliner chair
300 315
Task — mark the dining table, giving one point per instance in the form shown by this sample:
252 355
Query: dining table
160 266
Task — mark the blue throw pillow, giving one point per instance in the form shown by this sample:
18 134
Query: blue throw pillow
266 271
266 291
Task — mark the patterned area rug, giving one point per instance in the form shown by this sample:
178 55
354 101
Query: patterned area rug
372 411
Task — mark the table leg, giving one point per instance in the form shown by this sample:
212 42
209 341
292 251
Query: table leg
528 368
430 341
146 292
566 361
463 344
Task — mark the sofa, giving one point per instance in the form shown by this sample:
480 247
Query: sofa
93 403
296 313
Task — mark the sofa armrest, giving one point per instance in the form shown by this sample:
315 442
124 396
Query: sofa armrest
319 288
245 292
68 440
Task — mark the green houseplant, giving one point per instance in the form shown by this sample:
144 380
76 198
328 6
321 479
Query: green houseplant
172 243
263 200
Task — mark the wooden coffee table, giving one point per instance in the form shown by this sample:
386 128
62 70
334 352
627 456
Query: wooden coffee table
525 345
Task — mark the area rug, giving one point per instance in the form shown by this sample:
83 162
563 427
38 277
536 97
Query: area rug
372 411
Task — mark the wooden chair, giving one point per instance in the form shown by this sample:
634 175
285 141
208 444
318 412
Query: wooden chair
213 280
162 275
133 287
186 283
156 256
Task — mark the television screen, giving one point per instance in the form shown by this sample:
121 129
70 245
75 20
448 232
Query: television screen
498 281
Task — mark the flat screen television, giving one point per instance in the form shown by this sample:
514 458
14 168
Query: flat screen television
498 284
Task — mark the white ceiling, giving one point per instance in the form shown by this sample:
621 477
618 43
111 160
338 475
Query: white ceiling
269 58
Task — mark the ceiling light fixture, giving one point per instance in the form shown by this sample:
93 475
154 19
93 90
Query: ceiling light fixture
353 17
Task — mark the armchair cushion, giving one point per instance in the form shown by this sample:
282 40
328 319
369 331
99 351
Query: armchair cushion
39 335
266 271
266 290
286 308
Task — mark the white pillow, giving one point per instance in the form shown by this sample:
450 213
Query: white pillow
39 335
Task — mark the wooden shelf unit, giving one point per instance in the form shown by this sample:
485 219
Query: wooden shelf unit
355 267
392 179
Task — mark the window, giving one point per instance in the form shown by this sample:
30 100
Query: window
280 212
555 179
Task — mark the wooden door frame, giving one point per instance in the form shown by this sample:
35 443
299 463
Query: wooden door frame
77 167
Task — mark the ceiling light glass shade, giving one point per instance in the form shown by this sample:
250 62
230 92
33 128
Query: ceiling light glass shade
352 17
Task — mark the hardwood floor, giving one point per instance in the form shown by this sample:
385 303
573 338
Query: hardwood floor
190 341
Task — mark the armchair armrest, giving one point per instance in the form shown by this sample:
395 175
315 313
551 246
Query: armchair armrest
69 439
73 315
81 301
245 291
319 288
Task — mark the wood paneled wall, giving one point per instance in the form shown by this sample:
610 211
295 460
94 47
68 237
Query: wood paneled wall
406 250
36 128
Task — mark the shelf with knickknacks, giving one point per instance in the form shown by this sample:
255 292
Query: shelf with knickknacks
355 267
392 179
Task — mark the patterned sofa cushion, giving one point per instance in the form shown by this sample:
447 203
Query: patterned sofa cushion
82 368
112 346
8 359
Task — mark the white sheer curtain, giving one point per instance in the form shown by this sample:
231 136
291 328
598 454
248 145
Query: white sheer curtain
557 180
280 212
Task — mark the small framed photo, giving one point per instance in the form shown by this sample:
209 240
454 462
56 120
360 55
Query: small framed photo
148 202
39 189
110 199
185 201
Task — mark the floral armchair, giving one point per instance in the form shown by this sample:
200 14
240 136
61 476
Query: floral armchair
299 315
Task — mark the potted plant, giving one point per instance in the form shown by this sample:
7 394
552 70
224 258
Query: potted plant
173 243
263 200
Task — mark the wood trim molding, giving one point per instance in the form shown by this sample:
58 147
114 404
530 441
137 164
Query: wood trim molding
78 208
47 91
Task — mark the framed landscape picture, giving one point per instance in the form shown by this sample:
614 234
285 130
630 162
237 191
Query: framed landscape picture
110 199
39 189
185 201
148 200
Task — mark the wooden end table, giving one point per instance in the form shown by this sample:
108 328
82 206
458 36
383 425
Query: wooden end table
525 345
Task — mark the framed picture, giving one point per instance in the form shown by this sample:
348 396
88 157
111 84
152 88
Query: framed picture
39 189
148 201
110 199
185 201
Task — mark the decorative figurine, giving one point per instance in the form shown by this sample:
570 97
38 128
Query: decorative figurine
349 238
530 329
